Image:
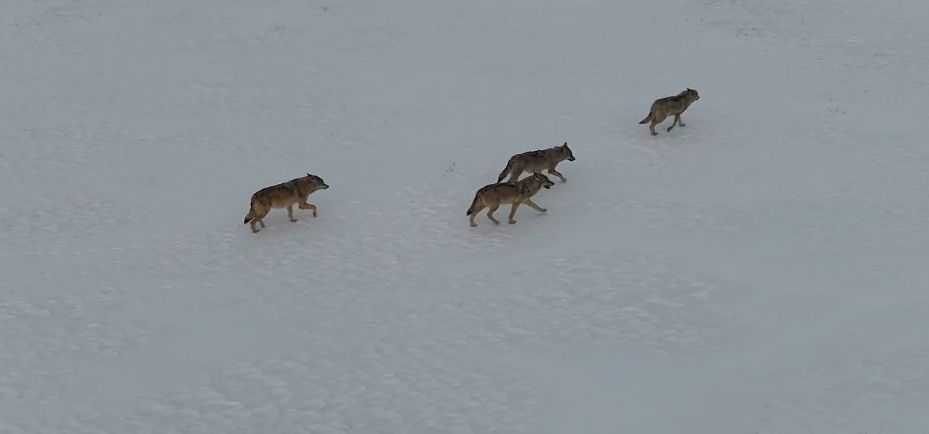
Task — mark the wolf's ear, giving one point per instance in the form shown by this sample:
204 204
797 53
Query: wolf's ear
308 174
565 145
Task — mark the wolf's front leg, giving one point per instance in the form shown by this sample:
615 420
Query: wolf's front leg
534 206
307 205
557 173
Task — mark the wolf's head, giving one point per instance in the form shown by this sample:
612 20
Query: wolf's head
567 152
542 179
691 94
317 181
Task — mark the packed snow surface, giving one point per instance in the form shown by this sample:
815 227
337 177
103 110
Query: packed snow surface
764 269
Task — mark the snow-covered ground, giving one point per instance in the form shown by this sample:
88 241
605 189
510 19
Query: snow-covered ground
763 270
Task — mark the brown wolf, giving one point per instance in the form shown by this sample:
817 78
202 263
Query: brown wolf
493 195
283 195
670 105
536 162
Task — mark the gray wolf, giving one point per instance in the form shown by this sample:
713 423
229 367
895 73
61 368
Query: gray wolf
536 162
670 105
283 195
493 195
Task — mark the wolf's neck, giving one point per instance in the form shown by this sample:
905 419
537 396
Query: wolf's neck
529 188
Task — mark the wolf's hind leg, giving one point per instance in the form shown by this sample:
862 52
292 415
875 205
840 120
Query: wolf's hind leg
515 172
476 210
657 118
513 213
290 213
260 214
490 214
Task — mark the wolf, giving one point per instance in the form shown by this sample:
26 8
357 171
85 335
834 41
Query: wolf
283 195
536 162
670 105
493 195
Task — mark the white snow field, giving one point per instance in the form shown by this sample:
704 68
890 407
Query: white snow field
763 270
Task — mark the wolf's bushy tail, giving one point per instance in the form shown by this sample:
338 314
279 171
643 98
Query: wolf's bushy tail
647 118
506 171
473 204
250 216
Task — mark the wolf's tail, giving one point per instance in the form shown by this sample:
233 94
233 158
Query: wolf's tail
473 204
250 216
647 118
506 171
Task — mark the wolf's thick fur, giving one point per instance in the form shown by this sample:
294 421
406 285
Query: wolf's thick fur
283 195
667 106
536 162
493 195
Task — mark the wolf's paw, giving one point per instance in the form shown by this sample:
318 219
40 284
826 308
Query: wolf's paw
473 225
512 222
543 210
293 220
